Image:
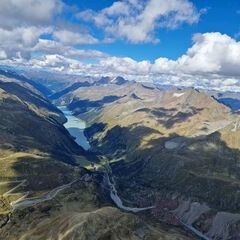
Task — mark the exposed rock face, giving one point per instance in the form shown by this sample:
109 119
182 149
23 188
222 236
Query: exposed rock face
119 80
108 80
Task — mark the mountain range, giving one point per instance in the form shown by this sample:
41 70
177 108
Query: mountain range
175 149
48 190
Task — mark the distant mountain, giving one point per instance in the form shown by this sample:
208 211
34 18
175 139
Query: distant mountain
55 81
119 80
230 99
9 73
69 89
81 84
110 80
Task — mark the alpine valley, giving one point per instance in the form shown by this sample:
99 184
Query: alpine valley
110 159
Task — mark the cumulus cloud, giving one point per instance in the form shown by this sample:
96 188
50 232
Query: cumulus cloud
24 22
56 62
53 47
72 38
211 53
19 41
125 66
211 62
3 55
14 13
137 20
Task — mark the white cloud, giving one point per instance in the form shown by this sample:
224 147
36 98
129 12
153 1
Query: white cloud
23 22
56 62
212 62
23 41
72 38
211 53
214 53
52 47
3 55
20 41
15 13
124 66
137 20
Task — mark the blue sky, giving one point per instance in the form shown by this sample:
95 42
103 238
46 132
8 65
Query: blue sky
220 16
178 42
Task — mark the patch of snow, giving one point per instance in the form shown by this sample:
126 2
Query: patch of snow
171 145
174 143
178 94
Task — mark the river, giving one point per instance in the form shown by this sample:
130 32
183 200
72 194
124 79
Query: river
118 201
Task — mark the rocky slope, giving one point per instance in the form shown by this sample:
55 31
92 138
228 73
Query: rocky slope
177 149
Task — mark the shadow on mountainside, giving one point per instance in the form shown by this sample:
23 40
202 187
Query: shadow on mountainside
82 106
27 95
202 168
35 149
169 117
69 89
41 88
234 104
